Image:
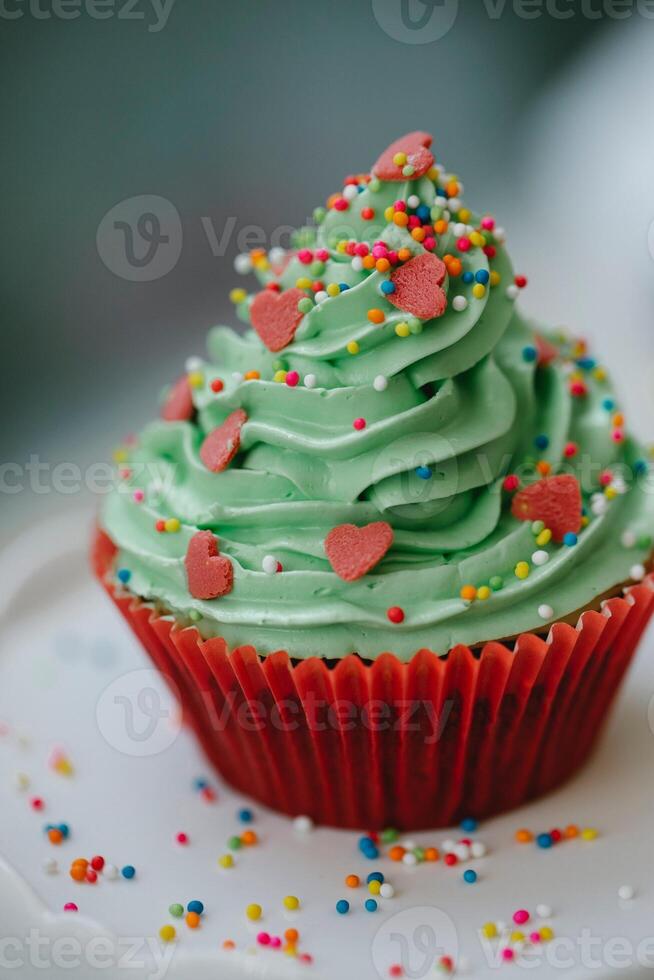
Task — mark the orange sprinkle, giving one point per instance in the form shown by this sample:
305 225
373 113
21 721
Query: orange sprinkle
404 254
192 920
401 218
432 854
452 188
55 836
291 935
440 226
382 265
455 267
77 872
229 944
468 592
418 234
259 253
368 261
251 376
543 467
396 853
524 836
81 863
352 881
572 830
249 838
618 420
376 316
331 199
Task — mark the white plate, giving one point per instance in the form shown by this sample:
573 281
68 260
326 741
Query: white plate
70 677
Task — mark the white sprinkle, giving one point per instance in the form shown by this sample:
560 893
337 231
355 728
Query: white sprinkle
380 383
462 851
599 506
193 363
446 214
459 303
243 264
544 911
50 866
357 263
110 871
350 192
276 254
478 849
448 845
512 291
637 572
440 202
237 376
458 229
501 926
626 893
540 557
410 859
386 890
303 825
309 381
455 204
500 235
409 844
269 564
413 200
320 296
628 539
545 611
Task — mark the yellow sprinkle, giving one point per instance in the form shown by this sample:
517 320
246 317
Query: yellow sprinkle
333 289
279 376
261 263
353 347
432 173
546 933
120 455
402 329
610 493
483 592
303 283
599 374
399 159
195 379
172 525
479 290
585 521
388 213
477 239
589 833
544 537
522 569
226 861
237 295
253 912
517 936
374 887
495 278
291 902
465 215
489 929
341 246
167 933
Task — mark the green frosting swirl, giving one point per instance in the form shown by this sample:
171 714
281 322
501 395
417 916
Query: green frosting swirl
450 409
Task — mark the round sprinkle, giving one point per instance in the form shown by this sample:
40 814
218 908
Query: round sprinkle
352 347
423 472
522 570
637 572
352 881
380 383
540 558
195 906
70 907
395 614
543 911
192 920
489 930
626 893
128 871
303 824
342 906
181 838
167 934
459 303
376 316
520 917
253 912
176 910
310 381
359 424
570 539
245 815
545 611
469 824
529 354
269 565
478 849
370 905
291 903
110 871
386 890
544 840
523 836
496 583
226 861
628 539
469 876
235 843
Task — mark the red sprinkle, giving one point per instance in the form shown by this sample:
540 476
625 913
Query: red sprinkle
97 862
520 281
395 614
511 482
217 385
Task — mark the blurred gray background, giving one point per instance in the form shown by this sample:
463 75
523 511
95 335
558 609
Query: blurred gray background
251 113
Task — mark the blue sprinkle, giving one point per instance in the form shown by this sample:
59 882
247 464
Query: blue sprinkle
128 871
423 212
608 404
65 829
370 905
245 816
343 286
423 472
529 353
440 192
124 575
470 876
195 906
541 442
586 363
48 827
387 287
368 848
360 188
375 876
342 906
469 824
570 539
200 784
640 467
544 840
468 277
482 276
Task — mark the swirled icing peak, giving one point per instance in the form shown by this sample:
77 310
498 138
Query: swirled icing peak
390 457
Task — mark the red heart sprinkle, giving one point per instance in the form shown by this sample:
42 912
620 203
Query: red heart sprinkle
221 445
275 316
418 287
352 551
414 145
546 352
209 574
178 404
555 500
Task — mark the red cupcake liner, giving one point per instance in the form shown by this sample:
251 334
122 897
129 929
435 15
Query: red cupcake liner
409 745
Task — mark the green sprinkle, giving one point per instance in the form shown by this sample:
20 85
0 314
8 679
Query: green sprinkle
280 364
305 305
234 843
317 268
645 541
194 615
537 527
496 583
415 325
389 835
436 213
319 215
176 910
419 853
374 185
408 170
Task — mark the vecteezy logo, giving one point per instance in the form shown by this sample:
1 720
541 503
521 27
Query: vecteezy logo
415 21
140 238
414 939
137 714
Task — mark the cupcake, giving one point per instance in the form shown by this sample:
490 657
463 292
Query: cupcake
390 543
